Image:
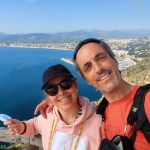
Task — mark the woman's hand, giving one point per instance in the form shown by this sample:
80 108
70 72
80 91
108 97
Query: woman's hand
44 107
15 126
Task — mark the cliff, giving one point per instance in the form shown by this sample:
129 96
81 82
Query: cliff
139 73
19 142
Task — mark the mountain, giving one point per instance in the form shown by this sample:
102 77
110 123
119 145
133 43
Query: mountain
139 73
1 33
73 36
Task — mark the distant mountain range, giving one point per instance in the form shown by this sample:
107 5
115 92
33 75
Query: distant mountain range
73 36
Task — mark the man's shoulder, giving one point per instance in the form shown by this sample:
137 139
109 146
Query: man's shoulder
147 96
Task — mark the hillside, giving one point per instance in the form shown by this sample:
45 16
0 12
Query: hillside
73 36
138 74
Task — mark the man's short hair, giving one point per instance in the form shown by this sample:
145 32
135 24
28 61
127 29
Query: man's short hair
101 43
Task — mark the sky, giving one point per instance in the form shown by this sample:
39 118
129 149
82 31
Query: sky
51 16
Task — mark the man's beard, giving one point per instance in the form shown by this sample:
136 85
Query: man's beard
110 85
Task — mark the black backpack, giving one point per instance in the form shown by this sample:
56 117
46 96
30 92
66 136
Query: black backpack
136 116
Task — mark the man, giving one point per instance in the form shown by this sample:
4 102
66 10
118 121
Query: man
97 64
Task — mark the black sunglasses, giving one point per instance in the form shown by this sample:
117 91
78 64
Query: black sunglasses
65 84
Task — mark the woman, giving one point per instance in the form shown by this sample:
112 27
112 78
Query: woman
73 123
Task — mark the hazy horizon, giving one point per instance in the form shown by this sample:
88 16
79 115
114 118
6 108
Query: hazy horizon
44 16
86 30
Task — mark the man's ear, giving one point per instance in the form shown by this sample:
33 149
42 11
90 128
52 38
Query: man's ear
116 61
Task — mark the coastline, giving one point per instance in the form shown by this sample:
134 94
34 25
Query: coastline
124 62
51 48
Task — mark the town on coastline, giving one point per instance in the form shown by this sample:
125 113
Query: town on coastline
128 51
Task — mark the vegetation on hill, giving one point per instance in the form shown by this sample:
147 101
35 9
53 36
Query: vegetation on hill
139 73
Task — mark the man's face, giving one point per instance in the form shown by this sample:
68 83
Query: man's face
98 68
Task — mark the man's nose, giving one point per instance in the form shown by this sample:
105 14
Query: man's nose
97 67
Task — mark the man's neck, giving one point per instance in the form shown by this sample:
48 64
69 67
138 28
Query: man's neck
119 92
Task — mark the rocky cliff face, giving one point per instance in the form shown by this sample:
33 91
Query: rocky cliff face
139 73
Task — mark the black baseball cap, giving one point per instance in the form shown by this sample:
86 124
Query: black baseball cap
55 71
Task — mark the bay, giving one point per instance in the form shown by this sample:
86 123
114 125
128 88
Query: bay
21 72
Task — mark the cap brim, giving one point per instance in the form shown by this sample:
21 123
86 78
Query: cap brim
60 75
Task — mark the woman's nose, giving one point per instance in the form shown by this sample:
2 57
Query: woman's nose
60 91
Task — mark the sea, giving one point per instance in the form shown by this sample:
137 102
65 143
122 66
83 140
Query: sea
21 72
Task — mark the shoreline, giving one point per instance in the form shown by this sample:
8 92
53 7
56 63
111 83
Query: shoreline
53 48
128 61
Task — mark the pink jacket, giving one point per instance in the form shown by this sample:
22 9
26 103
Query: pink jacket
65 136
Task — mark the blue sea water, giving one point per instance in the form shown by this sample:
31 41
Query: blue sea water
20 79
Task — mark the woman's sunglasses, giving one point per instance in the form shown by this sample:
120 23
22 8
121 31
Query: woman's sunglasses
65 84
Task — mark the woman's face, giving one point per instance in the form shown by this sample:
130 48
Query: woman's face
62 93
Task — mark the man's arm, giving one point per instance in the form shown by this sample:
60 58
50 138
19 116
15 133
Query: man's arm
46 106
43 107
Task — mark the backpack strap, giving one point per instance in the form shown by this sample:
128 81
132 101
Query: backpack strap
102 107
144 123
132 117
137 114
